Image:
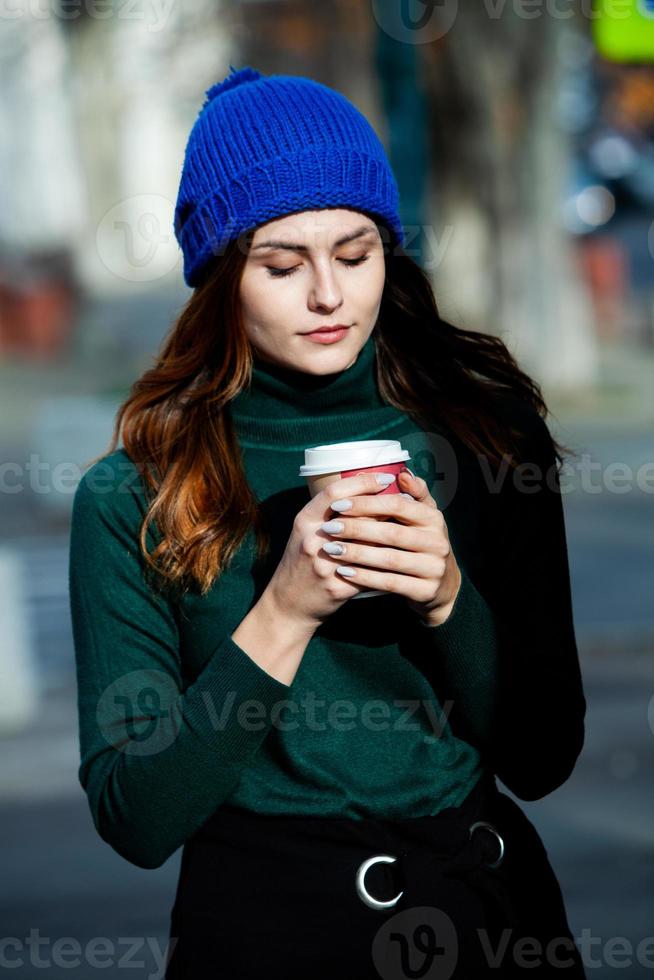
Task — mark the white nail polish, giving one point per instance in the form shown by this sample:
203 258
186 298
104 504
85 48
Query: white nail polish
341 505
332 527
345 570
333 548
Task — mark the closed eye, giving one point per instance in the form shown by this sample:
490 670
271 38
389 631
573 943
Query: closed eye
283 273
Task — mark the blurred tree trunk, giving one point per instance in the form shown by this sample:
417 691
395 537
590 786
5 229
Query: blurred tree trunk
43 204
144 82
405 105
493 87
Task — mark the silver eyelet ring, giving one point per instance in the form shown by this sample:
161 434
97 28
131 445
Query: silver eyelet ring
362 892
489 826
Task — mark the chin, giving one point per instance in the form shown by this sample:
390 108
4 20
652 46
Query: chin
326 361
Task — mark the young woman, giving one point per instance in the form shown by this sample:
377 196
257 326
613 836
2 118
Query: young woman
328 765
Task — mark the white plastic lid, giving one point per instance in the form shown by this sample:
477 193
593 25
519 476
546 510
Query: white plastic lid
339 456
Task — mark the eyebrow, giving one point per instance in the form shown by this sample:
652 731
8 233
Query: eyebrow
359 233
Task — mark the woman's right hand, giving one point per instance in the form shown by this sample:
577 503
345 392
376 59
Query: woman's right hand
305 584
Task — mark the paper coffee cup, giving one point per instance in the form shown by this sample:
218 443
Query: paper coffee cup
335 461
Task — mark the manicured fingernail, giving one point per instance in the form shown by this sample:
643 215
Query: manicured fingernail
346 570
333 548
332 527
407 470
384 478
340 505
406 495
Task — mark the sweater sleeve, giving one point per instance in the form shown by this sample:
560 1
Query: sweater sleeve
463 653
156 760
540 719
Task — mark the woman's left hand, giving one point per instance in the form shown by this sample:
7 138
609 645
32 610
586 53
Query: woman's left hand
412 558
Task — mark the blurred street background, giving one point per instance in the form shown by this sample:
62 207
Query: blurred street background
522 138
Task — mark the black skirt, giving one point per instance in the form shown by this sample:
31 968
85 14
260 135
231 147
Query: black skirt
467 893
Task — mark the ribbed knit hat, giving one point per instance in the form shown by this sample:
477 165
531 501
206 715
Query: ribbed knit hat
265 146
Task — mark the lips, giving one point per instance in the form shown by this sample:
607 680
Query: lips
339 326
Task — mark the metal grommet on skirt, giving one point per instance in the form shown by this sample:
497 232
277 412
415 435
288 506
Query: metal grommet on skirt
464 862
363 892
484 825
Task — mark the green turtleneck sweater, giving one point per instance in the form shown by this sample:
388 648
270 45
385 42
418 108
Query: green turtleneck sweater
384 717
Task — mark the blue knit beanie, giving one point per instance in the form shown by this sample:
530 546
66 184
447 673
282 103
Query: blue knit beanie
265 146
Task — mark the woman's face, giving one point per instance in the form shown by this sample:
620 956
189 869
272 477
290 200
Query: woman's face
308 270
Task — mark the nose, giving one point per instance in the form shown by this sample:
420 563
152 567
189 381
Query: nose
325 292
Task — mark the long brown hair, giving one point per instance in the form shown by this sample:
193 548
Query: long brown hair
176 431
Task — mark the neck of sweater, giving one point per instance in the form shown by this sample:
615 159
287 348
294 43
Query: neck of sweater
291 409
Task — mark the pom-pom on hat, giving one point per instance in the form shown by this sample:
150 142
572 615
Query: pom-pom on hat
265 146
